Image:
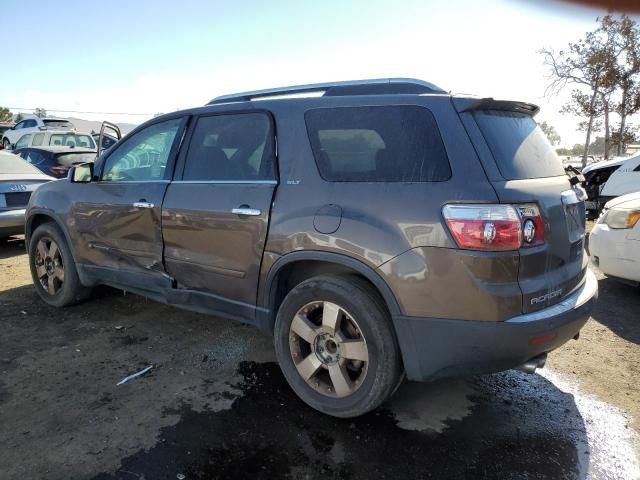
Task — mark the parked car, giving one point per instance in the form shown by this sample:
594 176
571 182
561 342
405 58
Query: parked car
609 179
56 161
32 125
18 180
66 138
396 228
614 242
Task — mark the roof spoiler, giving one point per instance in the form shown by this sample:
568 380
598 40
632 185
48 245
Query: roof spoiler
490 104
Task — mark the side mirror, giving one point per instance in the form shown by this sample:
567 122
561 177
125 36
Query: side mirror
81 173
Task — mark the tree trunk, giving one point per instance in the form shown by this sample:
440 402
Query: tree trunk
589 127
623 119
607 136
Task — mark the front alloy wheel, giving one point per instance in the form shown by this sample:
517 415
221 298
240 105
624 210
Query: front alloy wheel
328 349
49 265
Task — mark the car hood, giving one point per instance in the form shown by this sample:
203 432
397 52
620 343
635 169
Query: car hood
17 177
630 200
604 163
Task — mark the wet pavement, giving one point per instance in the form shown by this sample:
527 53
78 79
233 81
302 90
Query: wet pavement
509 426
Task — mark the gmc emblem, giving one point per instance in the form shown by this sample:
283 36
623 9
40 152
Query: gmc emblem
18 188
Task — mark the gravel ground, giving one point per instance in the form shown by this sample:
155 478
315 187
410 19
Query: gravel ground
215 404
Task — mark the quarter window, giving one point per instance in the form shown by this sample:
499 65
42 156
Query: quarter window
377 144
236 147
38 138
143 156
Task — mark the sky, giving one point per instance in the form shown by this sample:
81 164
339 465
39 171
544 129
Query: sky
146 57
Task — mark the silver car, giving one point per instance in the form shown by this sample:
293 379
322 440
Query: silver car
18 179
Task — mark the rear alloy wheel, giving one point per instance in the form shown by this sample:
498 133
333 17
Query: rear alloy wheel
328 349
53 269
336 345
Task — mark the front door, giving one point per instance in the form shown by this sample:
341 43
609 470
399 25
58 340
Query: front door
117 216
215 216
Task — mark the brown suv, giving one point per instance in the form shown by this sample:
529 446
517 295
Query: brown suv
380 228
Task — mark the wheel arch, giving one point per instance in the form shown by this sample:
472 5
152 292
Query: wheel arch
37 218
293 268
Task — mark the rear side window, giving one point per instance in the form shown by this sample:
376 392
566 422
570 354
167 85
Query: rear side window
377 144
518 145
231 147
38 138
57 124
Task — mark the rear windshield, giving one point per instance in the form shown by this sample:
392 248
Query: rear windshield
519 146
13 164
72 140
69 159
58 123
377 144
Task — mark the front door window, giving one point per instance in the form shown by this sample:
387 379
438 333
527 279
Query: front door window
142 157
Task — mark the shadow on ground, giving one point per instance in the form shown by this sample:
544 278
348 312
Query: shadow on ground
11 247
618 308
515 426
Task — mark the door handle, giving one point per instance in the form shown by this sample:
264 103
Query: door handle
252 212
143 204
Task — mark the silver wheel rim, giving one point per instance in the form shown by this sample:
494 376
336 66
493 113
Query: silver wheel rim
49 265
328 349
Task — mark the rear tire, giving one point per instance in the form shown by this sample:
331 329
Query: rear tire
336 345
53 269
6 144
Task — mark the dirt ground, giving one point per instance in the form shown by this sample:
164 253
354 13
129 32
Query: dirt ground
215 404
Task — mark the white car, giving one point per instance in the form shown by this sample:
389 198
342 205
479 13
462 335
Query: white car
56 138
33 125
614 242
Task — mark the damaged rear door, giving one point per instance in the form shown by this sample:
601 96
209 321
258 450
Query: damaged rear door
216 212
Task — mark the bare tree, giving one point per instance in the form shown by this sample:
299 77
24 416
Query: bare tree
589 64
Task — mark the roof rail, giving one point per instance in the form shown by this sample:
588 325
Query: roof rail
334 89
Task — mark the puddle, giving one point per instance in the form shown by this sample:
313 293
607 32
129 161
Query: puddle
504 426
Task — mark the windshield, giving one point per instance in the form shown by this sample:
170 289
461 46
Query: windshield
69 159
72 140
12 164
58 123
519 146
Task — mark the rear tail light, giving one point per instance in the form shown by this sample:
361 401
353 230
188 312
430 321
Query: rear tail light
532 225
59 171
494 227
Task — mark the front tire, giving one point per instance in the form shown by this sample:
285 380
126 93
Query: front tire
53 269
336 345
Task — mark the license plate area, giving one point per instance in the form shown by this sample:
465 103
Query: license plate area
17 199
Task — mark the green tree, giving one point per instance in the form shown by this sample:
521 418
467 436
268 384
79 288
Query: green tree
551 133
40 112
621 142
5 115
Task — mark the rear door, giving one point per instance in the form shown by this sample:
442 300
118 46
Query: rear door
525 170
117 217
216 213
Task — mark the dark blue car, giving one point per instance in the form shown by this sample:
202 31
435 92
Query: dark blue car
55 161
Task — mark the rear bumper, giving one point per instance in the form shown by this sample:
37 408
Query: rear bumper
11 222
434 348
